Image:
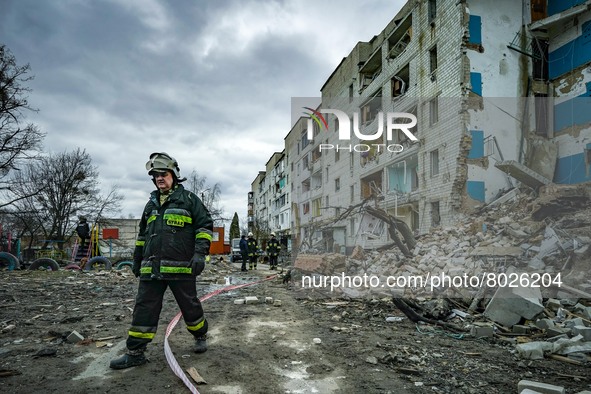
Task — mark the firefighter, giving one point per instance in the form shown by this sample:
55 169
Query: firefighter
175 233
243 252
273 248
252 251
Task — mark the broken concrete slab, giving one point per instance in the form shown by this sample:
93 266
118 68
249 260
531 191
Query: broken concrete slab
534 350
522 173
74 337
510 304
543 388
251 300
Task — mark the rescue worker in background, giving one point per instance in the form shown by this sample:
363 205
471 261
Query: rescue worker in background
273 248
83 231
243 252
252 251
175 233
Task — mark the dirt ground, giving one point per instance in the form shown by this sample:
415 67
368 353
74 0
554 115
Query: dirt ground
302 346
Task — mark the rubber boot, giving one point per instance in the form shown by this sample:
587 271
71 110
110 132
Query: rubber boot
200 344
130 359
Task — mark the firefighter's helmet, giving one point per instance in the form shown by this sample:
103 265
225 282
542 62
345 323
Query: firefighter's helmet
272 234
161 161
250 234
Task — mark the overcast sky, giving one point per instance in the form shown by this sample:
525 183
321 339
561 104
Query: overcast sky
207 81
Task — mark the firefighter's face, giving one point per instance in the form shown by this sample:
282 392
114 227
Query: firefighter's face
163 180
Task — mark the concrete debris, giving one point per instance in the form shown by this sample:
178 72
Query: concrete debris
537 387
251 300
74 337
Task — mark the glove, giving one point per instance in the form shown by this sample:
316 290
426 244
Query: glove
197 263
136 268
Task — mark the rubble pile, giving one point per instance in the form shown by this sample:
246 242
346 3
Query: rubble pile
541 242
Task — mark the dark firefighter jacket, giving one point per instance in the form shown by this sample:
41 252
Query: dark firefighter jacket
273 247
252 246
169 235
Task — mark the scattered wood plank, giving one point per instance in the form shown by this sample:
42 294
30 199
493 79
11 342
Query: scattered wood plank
107 338
195 376
565 359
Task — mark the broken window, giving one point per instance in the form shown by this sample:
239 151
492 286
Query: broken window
435 215
370 109
434 160
370 70
433 110
431 10
433 63
401 82
398 136
371 185
400 38
306 185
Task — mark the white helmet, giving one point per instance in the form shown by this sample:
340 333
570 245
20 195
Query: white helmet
250 234
272 234
161 161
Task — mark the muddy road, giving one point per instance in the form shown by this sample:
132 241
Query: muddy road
303 345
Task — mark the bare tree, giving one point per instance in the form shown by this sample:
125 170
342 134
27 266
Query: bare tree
209 194
18 142
69 189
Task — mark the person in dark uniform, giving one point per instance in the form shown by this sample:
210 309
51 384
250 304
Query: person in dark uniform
252 252
175 233
243 252
273 248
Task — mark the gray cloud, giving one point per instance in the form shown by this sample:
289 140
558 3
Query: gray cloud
209 82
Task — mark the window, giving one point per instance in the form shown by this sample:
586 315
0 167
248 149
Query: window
400 38
369 110
434 111
351 160
316 204
306 208
352 193
337 184
433 63
400 82
432 10
352 225
351 93
337 211
327 200
337 155
435 216
434 160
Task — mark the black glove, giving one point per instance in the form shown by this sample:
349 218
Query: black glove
137 265
137 260
197 263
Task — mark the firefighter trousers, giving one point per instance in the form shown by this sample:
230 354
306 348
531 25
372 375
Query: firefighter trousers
148 305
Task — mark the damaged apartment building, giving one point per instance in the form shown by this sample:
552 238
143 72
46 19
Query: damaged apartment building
500 92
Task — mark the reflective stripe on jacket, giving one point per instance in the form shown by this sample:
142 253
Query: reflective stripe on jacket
170 234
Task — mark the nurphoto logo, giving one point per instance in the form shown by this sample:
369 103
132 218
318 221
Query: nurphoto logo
392 123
